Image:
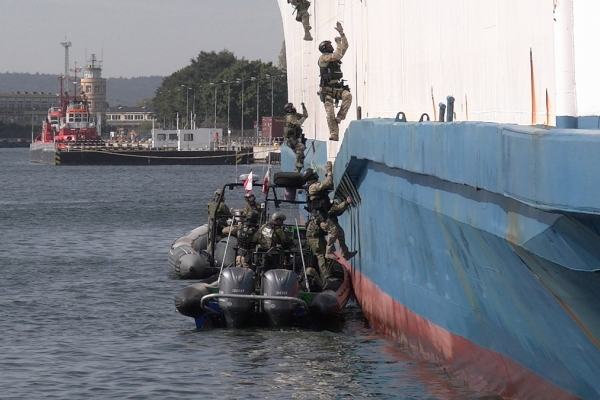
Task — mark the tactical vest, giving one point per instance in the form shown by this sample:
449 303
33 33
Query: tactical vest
319 202
331 72
266 235
291 130
245 236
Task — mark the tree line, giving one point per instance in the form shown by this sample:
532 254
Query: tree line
220 85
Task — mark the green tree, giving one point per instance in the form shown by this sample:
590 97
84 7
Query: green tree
218 79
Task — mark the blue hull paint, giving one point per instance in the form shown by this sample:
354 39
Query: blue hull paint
490 233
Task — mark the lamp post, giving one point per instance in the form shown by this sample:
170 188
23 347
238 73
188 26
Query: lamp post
242 132
271 77
187 105
32 110
272 96
257 103
194 110
228 98
215 97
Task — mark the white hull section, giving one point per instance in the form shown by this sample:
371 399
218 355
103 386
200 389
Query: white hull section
496 58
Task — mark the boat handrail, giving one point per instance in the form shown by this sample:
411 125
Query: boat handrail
252 297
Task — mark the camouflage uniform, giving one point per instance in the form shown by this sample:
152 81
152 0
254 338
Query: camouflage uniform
315 235
271 235
332 89
301 7
292 132
326 217
315 238
216 215
245 234
335 232
249 207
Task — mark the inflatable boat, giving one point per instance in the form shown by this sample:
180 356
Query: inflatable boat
285 291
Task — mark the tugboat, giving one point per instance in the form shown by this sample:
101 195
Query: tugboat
276 288
66 126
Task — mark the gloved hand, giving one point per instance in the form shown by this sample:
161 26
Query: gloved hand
338 27
328 166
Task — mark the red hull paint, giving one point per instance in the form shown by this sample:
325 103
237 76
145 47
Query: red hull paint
482 369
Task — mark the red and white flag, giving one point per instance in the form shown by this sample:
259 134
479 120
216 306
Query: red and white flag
248 183
266 181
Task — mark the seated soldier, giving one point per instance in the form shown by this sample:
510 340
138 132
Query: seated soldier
271 237
245 234
218 214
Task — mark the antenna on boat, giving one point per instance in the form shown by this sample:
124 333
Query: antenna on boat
302 255
225 252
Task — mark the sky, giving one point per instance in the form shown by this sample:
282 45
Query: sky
134 38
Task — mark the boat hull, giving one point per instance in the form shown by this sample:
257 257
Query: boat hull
46 154
43 153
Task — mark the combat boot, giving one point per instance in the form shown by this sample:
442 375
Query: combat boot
350 254
308 37
335 137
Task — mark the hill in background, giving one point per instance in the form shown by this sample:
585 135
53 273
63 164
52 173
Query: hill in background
119 91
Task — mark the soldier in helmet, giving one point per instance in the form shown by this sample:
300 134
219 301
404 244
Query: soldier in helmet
218 214
271 234
292 132
332 87
339 238
251 204
302 15
245 235
271 237
323 220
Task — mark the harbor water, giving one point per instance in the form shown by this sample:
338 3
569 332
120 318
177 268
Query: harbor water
86 301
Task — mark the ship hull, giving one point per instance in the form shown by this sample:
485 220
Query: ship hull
48 155
471 254
478 242
488 311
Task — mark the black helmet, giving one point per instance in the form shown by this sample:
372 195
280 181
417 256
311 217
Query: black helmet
252 216
326 47
289 108
309 175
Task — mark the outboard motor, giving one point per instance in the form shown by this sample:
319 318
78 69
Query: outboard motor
225 253
238 312
279 282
